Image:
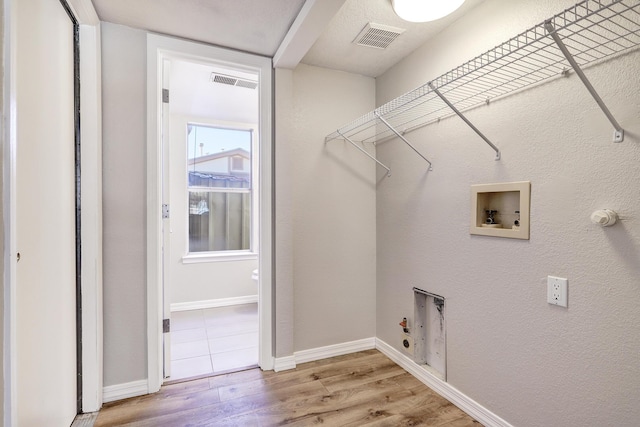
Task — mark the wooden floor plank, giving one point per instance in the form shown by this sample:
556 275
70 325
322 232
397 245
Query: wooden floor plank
359 389
152 405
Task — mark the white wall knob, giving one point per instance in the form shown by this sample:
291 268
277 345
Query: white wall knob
604 217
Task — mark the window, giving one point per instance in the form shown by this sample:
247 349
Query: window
220 188
237 163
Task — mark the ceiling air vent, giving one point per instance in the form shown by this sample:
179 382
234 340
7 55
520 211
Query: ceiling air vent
377 36
233 81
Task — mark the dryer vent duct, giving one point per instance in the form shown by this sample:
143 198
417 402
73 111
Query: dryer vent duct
377 36
233 81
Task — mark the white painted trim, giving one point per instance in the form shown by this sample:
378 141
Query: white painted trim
284 363
157 48
84 12
334 350
195 258
312 20
112 393
303 356
91 135
455 396
213 303
91 213
9 147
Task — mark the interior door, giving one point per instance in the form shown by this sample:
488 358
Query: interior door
45 216
166 223
207 258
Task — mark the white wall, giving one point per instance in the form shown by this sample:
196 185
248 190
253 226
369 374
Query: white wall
124 139
283 213
332 200
531 363
332 217
3 142
190 282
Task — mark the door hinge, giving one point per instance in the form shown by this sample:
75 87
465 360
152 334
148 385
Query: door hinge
166 325
165 211
165 96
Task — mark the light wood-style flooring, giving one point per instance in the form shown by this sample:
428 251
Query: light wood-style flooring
359 389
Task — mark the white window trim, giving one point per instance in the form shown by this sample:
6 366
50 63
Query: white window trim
219 256
254 190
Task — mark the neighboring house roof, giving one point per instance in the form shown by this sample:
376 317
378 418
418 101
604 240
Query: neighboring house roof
222 154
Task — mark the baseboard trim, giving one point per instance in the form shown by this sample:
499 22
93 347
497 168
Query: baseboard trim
123 391
455 396
334 350
212 303
284 363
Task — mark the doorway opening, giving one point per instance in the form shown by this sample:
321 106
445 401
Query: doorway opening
209 211
210 186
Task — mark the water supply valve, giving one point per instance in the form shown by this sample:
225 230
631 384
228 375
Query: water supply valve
405 328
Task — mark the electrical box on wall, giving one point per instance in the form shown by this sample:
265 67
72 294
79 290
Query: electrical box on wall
501 210
429 332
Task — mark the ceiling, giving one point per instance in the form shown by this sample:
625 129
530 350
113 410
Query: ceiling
256 26
315 32
334 48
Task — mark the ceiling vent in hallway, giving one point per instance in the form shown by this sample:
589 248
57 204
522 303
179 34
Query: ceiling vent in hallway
233 81
377 35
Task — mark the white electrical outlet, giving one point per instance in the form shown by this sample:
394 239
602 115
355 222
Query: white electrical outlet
557 289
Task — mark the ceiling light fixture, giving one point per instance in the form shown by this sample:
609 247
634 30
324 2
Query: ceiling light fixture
424 10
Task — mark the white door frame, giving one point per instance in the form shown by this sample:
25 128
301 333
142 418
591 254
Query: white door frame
91 166
158 47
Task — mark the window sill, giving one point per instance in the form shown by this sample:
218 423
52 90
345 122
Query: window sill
218 257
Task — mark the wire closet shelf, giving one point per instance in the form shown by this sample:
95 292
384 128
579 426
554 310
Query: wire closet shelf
586 33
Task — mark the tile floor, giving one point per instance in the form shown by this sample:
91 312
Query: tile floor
213 340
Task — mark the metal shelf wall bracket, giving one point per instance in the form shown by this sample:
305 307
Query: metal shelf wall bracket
459 114
392 129
587 33
364 151
618 133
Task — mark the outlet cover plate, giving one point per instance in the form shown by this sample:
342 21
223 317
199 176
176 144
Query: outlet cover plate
407 342
557 290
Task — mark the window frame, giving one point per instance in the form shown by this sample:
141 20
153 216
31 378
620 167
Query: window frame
253 190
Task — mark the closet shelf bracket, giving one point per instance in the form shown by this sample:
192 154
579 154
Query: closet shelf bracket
392 129
364 151
618 133
464 119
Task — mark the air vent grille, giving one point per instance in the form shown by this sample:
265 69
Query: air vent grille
233 81
247 83
377 36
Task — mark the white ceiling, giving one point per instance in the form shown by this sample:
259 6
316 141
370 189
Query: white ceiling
193 94
260 26
314 32
256 26
334 49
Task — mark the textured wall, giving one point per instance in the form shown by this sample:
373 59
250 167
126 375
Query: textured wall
531 363
124 140
333 210
325 209
283 215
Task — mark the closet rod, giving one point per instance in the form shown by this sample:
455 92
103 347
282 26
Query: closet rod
618 134
459 114
392 129
365 152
